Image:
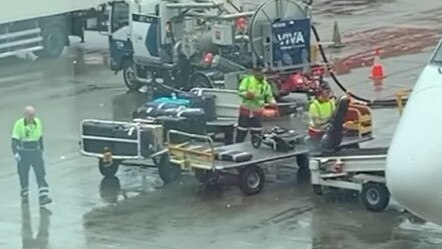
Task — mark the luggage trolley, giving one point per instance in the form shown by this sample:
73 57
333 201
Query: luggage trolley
201 156
116 143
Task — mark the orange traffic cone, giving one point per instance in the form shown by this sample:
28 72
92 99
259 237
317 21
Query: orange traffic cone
377 70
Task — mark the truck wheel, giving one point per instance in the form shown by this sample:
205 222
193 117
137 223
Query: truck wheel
108 169
375 196
251 180
130 80
168 171
54 40
200 80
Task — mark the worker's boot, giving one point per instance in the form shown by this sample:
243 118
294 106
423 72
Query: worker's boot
24 199
44 200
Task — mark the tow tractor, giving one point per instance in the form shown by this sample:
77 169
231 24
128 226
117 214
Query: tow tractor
179 45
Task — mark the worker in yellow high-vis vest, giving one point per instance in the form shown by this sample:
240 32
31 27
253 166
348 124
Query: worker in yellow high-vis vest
27 147
255 92
321 110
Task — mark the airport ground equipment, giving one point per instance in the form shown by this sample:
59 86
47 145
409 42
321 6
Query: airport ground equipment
44 27
200 155
361 170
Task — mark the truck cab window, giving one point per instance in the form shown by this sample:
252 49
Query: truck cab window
120 16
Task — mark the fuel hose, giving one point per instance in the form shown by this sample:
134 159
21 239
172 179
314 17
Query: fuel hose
371 103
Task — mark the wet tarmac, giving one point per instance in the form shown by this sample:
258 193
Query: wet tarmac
134 210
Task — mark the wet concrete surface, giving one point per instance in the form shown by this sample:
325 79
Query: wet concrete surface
134 210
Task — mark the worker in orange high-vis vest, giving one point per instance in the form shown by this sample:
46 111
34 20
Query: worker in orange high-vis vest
255 93
321 110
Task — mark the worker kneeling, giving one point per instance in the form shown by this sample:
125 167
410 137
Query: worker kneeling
255 92
321 111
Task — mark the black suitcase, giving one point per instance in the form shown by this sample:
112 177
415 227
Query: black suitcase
98 129
174 123
96 146
125 148
197 119
232 155
237 156
205 102
147 141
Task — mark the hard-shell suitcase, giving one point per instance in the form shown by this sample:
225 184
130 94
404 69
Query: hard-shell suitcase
94 129
232 155
98 129
174 123
205 102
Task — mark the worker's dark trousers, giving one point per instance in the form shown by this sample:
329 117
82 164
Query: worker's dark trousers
34 159
246 123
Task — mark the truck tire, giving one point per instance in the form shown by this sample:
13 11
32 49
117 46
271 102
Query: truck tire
200 80
375 196
108 169
54 41
168 171
130 80
251 180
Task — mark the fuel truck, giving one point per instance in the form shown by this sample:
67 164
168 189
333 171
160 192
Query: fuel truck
183 44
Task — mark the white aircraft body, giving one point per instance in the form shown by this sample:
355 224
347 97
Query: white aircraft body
414 161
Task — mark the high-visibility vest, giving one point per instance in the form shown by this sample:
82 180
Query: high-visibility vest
262 90
323 111
28 135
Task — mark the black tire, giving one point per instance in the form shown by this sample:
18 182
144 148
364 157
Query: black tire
200 80
375 196
303 162
168 171
54 41
129 79
251 180
107 169
256 141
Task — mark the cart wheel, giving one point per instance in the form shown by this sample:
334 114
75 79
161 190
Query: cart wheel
206 177
256 141
168 171
108 169
375 196
303 162
251 180
317 190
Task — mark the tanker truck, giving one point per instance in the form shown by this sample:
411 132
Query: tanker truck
183 44
43 27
